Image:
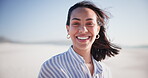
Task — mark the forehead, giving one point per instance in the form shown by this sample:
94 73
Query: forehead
83 13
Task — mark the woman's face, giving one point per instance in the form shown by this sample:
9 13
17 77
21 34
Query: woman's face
83 28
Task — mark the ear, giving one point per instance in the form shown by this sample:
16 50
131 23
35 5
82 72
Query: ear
67 27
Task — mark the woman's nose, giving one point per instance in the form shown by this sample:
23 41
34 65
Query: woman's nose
83 29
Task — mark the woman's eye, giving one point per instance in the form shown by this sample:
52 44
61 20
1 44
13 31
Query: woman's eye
89 24
75 24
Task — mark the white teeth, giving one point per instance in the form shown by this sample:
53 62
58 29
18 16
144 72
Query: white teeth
83 38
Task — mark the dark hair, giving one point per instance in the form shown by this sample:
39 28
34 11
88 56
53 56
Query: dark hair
101 47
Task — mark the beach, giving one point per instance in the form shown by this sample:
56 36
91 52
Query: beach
24 60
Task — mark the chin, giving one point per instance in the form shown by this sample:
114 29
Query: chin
83 46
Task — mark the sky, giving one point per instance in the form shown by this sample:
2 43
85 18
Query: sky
45 20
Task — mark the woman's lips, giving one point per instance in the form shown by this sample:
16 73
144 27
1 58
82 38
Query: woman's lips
83 39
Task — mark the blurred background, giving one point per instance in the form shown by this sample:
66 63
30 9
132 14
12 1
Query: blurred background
32 31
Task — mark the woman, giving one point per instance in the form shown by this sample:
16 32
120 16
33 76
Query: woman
85 26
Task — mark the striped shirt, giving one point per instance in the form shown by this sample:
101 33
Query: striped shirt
71 65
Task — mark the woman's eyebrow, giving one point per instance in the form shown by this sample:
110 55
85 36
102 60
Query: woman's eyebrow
76 19
89 19
80 19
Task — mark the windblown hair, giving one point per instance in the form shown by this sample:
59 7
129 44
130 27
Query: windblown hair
101 47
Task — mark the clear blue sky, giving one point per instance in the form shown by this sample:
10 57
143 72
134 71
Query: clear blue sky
44 20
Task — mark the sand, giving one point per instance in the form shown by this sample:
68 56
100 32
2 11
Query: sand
25 60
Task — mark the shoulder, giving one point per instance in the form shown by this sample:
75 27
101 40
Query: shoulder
104 66
106 70
55 60
52 66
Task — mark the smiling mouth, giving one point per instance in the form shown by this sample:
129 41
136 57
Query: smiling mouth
83 38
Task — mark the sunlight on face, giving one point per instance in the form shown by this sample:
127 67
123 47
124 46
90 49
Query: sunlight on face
83 28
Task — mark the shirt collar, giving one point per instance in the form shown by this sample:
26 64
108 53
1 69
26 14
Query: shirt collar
76 56
97 66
